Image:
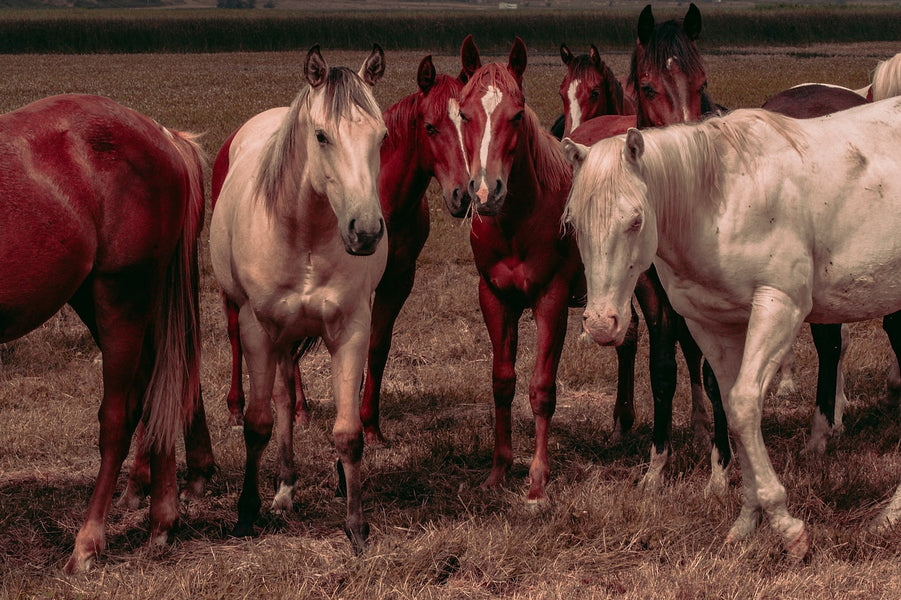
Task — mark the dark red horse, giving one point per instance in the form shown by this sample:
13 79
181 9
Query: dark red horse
101 209
588 90
519 186
670 84
422 143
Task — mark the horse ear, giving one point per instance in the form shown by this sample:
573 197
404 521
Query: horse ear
634 145
469 57
646 25
565 54
574 152
518 59
595 57
315 68
373 67
692 23
426 75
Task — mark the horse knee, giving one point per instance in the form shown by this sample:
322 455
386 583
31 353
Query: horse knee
349 445
543 397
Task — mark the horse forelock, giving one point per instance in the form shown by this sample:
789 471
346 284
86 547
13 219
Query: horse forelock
494 75
603 178
341 94
401 118
667 44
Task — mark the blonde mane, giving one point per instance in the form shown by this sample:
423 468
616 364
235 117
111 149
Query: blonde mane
682 167
887 79
278 176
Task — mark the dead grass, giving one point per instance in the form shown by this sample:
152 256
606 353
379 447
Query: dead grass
436 533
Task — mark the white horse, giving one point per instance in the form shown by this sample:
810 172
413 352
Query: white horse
297 244
756 223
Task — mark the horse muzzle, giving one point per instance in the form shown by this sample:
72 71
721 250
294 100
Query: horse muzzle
487 202
458 201
361 239
605 327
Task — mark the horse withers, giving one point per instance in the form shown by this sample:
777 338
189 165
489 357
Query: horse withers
101 208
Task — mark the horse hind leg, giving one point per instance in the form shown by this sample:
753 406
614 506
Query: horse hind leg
235 398
109 310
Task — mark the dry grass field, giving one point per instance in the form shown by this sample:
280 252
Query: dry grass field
435 532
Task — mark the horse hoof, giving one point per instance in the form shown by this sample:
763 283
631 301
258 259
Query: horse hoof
236 421
374 438
130 500
797 549
243 530
79 564
358 538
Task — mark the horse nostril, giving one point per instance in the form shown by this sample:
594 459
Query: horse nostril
472 187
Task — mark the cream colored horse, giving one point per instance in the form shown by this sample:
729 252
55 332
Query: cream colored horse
756 223
297 244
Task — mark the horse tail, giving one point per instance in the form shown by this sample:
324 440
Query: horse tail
173 394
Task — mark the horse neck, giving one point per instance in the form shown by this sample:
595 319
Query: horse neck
539 171
403 177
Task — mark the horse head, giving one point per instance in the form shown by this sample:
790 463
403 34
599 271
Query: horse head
615 232
667 73
438 137
491 109
343 131
589 89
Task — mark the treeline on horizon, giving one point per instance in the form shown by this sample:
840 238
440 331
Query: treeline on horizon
214 30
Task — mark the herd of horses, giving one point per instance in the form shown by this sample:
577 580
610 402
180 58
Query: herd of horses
319 214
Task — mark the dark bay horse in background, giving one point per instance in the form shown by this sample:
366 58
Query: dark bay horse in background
588 90
422 143
101 209
297 242
670 85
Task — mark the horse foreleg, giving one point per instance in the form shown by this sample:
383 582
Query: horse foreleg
700 417
390 296
348 356
502 322
624 408
258 419
550 313
773 325
283 396
721 451
830 342
662 334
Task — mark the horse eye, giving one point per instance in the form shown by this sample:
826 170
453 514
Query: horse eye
464 118
430 129
636 224
321 137
517 117
703 88
595 94
648 91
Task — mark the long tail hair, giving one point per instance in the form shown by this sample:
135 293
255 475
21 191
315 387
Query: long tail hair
174 389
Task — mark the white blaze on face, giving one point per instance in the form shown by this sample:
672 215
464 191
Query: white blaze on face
575 111
490 101
453 110
678 92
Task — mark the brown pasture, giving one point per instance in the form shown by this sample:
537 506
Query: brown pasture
435 532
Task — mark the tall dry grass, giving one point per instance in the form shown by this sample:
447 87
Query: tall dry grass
436 533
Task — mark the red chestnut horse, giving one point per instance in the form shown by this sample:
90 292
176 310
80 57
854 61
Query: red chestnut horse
670 83
101 209
520 182
588 90
422 143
